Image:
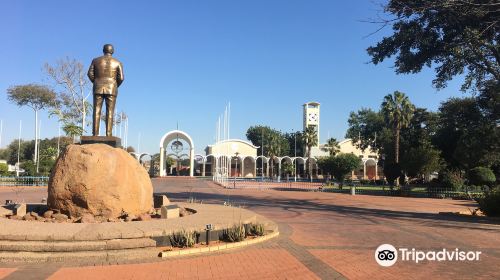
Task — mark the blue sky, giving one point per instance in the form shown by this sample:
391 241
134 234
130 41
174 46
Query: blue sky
185 60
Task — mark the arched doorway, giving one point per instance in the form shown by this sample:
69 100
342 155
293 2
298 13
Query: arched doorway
174 142
370 169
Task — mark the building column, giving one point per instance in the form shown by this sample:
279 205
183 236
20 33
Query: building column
255 168
162 163
191 162
267 168
279 171
364 169
376 170
203 168
242 173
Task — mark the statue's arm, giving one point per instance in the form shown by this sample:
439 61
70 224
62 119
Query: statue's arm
90 74
119 74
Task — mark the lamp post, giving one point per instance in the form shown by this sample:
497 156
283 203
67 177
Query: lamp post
236 169
262 153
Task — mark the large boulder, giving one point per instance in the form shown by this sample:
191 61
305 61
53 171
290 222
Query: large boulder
100 180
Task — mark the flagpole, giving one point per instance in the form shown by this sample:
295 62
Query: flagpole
19 148
38 150
1 131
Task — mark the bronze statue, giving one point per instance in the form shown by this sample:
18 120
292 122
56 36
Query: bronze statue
106 73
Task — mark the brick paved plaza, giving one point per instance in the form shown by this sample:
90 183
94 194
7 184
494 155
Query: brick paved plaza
322 236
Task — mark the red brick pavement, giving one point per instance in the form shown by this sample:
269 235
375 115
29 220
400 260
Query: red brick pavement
6 271
322 234
360 264
242 264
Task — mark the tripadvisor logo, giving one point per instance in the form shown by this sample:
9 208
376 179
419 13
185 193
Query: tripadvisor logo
387 255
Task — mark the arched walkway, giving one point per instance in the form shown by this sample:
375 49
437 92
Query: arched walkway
370 169
143 162
167 139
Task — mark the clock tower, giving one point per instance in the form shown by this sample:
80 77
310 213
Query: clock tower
311 117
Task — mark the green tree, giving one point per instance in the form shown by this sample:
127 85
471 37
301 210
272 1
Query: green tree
481 176
420 162
130 149
398 111
310 139
340 165
295 143
273 150
466 135
48 152
365 128
455 37
332 146
287 169
4 169
268 139
71 129
37 97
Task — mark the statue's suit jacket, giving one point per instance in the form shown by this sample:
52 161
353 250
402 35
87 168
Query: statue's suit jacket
106 73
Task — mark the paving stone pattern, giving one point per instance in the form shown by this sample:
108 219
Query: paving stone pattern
322 236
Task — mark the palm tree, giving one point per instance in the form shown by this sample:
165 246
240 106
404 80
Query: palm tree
398 111
332 146
310 138
273 150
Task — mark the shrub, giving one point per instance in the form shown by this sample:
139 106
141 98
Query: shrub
256 229
392 171
451 180
236 233
481 176
490 203
364 182
183 239
4 169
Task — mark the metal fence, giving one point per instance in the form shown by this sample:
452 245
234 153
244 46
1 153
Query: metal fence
291 184
24 181
422 192
274 183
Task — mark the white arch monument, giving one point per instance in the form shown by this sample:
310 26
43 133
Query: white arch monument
166 139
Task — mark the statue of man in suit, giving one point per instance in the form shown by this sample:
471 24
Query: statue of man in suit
106 73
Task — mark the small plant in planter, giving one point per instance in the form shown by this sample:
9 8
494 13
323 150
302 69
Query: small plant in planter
183 239
236 233
256 229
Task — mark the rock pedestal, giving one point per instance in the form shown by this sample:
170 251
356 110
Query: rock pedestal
161 200
100 180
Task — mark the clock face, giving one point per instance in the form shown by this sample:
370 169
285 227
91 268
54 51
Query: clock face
176 146
313 117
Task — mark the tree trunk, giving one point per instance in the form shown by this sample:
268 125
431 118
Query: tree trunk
84 115
396 153
272 167
310 163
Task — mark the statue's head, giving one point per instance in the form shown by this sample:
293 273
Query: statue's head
108 49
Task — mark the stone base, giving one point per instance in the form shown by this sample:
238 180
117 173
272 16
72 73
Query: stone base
112 141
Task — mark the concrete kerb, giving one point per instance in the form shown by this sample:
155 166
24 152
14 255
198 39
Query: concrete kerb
58 241
219 247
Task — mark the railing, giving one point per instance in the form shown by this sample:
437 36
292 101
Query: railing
274 183
291 184
24 181
418 191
